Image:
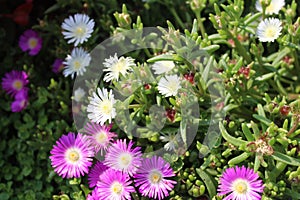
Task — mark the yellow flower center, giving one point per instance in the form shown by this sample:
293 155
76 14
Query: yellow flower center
106 107
32 42
77 65
270 32
125 159
17 84
240 186
155 177
72 155
119 66
116 188
101 137
80 31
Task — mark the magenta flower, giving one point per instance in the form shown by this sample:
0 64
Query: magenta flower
240 183
14 81
30 41
20 102
99 136
151 178
58 65
93 195
71 156
95 172
123 157
114 185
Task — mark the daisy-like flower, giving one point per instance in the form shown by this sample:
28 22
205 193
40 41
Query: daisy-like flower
14 81
95 172
151 178
78 28
78 94
76 62
21 101
101 108
169 85
273 8
58 65
71 157
114 185
117 66
269 29
123 157
99 136
172 141
30 41
240 183
161 67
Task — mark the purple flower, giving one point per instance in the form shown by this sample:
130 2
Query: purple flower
99 136
95 172
151 178
58 65
123 157
114 185
21 101
30 41
71 156
93 195
240 183
14 81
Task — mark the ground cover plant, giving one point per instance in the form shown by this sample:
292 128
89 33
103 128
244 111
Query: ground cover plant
150 99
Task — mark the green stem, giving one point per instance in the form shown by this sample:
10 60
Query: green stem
177 18
200 24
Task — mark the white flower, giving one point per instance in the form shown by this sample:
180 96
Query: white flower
76 62
172 141
164 66
78 28
115 67
101 106
273 8
268 30
78 94
169 85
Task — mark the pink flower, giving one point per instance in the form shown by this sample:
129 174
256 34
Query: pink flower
21 101
30 41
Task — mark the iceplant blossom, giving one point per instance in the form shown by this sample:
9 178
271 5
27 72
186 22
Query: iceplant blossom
21 101
169 85
101 107
71 156
77 62
240 183
78 28
124 157
164 66
269 29
15 81
114 185
30 41
152 178
115 67
273 8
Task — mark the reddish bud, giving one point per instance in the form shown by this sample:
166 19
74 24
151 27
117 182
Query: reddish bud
170 112
189 77
284 110
245 71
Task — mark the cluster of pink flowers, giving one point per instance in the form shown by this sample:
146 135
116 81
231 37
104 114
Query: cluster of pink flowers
14 83
121 171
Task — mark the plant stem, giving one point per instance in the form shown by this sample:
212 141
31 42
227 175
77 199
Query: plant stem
200 24
177 18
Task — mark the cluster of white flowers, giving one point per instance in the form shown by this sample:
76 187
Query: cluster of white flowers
269 29
77 30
